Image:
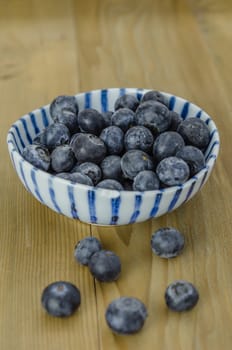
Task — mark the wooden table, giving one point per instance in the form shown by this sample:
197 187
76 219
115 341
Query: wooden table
54 47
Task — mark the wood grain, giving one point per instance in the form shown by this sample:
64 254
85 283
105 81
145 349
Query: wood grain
55 47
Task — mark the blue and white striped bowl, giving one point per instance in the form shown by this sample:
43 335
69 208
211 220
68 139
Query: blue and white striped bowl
101 206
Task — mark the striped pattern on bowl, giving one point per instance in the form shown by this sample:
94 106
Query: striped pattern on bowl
101 206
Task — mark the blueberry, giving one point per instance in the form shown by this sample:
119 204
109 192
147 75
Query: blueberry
107 117
113 137
195 132
64 109
134 161
91 121
76 178
85 248
175 120
111 167
61 299
146 180
139 137
124 118
88 148
54 135
92 170
110 184
153 115
167 144
193 157
126 315
105 266
126 101
172 171
154 95
38 156
181 296
167 242
62 158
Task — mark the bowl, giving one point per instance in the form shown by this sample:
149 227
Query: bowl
102 206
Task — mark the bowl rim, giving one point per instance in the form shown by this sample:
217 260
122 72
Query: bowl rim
115 193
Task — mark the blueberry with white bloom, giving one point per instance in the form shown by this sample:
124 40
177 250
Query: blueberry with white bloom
126 315
138 137
38 156
54 135
61 299
172 171
134 161
110 184
105 266
91 121
167 242
90 169
88 148
62 158
64 109
124 118
154 95
153 115
126 101
85 248
113 137
194 157
181 296
167 144
195 132
146 180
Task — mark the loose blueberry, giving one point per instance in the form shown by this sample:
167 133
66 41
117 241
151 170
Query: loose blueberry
195 132
105 266
111 167
139 137
167 242
181 296
167 144
76 178
126 315
153 115
110 184
113 137
91 121
124 118
62 158
172 171
107 117
193 157
88 148
175 121
38 156
64 109
154 95
85 248
92 170
134 161
146 180
126 101
61 299
54 135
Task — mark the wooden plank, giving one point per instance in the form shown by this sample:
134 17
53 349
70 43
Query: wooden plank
38 61
215 22
159 45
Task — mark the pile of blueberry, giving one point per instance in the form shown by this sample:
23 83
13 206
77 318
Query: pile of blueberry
141 145
125 315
